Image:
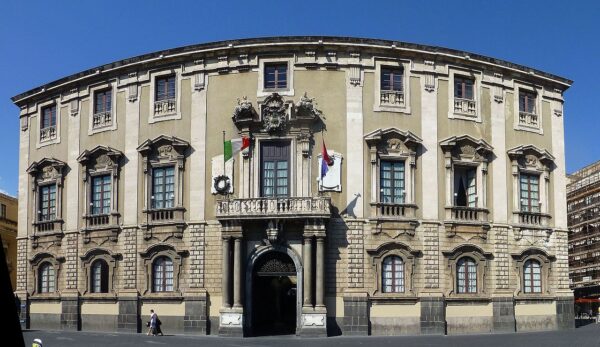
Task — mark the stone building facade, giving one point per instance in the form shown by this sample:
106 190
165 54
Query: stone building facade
8 233
439 207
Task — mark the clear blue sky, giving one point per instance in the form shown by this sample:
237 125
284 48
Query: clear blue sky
41 41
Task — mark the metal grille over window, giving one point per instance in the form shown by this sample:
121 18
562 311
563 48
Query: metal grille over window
532 277
163 274
163 187
464 96
275 76
393 274
48 123
392 87
392 182
102 109
466 273
527 112
47 210
165 101
530 193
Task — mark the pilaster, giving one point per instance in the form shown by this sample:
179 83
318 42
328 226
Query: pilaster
71 198
354 142
429 134
499 183
197 158
130 171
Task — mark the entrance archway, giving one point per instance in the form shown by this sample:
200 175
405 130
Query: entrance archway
273 296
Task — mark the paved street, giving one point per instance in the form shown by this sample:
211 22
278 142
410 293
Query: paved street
585 336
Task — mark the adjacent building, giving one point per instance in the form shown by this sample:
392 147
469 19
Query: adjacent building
438 205
8 233
583 208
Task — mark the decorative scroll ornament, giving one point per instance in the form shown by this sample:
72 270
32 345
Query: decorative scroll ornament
222 184
306 107
274 113
48 172
103 162
165 150
243 110
277 265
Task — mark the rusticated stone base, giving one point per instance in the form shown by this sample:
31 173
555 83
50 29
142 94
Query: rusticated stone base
504 315
433 316
356 315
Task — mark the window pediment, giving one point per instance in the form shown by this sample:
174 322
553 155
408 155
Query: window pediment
472 250
96 252
47 169
164 148
101 158
393 142
530 157
466 148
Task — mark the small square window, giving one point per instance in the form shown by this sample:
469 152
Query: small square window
275 76
165 88
463 88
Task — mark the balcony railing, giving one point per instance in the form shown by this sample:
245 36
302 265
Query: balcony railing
393 211
48 225
465 106
98 220
533 218
281 207
528 119
48 133
467 214
101 120
165 107
392 98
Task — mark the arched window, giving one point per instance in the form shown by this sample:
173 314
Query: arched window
393 274
46 278
532 276
466 275
99 274
162 275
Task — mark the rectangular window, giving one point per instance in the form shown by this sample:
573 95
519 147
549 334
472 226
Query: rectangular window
275 168
165 88
2 211
275 76
530 193
463 88
48 116
101 190
392 182
47 203
465 186
163 187
102 101
391 79
526 102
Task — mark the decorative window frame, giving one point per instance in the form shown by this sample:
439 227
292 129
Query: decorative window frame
152 253
531 160
477 76
161 152
35 262
152 118
409 257
47 171
40 107
111 260
545 261
538 91
393 63
292 165
101 160
482 259
466 151
92 90
395 145
261 91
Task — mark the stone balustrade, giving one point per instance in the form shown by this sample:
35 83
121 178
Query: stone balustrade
533 218
165 107
467 214
280 207
102 119
392 98
528 119
465 106
393 211
48 133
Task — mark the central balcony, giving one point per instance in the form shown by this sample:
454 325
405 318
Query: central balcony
276 207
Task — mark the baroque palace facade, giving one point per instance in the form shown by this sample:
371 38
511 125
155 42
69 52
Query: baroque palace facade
441 208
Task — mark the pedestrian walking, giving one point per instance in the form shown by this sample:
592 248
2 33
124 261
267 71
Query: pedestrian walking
154 324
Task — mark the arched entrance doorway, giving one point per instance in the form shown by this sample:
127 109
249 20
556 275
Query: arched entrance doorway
274 294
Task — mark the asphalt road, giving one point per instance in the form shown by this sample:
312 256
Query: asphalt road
582 337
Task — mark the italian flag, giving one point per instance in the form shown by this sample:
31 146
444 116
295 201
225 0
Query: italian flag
234 146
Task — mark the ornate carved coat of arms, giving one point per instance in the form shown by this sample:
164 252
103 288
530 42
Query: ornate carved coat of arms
274 113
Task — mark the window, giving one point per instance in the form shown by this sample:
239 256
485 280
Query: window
466 273
163 187
530 193
101 188
47 203
46 278
392 182
526 101
165 88
48 123
275 76
2 211
275 169
162 273
99 277
102 109
463 88
391 79
465 186
393 275
532 277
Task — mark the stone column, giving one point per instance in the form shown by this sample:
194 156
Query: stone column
320 295
225 273
308 299
237 272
